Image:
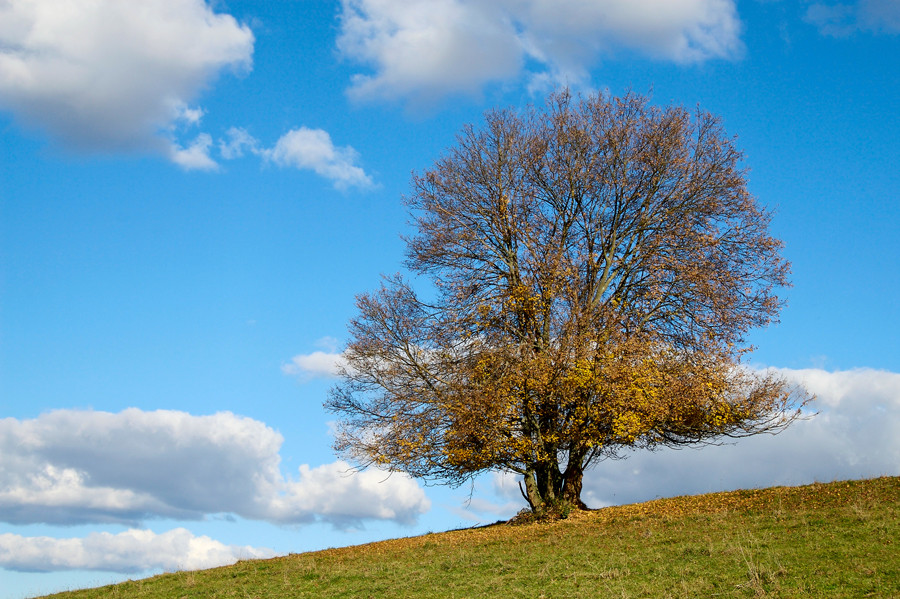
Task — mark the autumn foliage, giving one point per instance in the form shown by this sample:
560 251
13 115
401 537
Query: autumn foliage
595 268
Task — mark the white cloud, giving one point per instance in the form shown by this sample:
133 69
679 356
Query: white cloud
301 148
426 49
195 156
569 35
341 495
855 435
841 19
318 364
108 75
127 552
313 149
70 467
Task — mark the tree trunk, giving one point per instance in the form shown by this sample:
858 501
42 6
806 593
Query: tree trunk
531 493
540 486
545 484
547 481
572 480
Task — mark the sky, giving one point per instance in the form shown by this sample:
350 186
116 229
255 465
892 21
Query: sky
193 192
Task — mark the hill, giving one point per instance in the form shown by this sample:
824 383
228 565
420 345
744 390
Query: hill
838 539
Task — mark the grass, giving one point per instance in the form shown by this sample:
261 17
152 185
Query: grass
824 540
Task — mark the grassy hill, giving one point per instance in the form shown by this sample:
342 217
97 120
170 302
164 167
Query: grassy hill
824 540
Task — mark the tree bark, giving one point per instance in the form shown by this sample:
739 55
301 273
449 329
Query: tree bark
572 481
545 484
531 493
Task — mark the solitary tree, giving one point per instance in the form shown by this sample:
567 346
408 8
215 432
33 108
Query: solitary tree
594 267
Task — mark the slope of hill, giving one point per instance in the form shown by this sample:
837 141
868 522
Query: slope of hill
838 539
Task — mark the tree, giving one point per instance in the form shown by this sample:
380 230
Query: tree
595 268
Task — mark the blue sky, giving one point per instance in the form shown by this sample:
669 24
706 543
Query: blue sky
192 193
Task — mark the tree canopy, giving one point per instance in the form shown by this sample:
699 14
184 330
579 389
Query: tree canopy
595 267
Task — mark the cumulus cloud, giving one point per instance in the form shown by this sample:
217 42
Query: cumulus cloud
841 19
338 494
427 48
313 149
108 75
567 36
127 552
302 148
318 364
71 467
423 50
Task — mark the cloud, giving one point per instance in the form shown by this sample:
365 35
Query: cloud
318 364
313 149
427 48
238 141
568 36
72 467
195 156
338 494
855 435
839 19
423 50
880 15
301 148
109 75
127 552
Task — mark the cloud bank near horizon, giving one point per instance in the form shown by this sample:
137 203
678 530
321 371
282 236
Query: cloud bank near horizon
128 552
854 434
71 467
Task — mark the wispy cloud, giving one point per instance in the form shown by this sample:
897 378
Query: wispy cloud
424 50
127 552
72 467
841 19
237 141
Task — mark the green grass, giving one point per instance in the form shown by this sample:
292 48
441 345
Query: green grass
824 540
